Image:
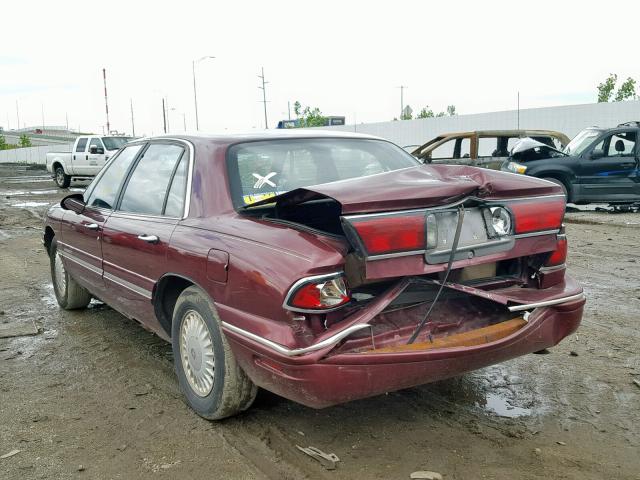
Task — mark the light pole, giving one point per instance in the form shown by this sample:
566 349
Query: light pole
195 97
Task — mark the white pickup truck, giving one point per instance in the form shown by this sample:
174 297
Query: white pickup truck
88 156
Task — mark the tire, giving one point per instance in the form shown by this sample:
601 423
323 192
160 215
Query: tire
223 389
62 179
565 190
69 293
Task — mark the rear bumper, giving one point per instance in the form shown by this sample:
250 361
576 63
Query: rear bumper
339 378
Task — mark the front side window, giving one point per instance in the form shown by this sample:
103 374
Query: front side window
81 145
103 193
621 144
114 143
444 151
147 187
96 142
260 170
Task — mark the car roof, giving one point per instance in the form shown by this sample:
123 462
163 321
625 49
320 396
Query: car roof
289 133
501 133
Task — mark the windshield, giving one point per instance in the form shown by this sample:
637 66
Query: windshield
581 141
260 170
114 143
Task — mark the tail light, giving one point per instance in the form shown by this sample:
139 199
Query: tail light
317 294
538 215
559 255
390 234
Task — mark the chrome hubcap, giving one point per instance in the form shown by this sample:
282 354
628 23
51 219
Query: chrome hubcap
59 275
60 177
196 353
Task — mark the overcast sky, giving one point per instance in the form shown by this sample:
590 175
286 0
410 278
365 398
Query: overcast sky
345 57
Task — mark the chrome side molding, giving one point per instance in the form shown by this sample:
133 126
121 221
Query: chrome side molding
547 303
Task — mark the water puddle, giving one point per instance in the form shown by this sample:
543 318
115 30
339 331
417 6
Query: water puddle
16 193
501 406
29 204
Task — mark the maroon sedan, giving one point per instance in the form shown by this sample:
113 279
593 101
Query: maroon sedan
323 267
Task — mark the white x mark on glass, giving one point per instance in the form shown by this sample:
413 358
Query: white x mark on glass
262 180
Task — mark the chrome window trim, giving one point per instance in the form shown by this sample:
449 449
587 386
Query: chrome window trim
304 281
547 303
327 342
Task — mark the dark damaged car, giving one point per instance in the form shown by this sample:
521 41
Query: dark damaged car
323 267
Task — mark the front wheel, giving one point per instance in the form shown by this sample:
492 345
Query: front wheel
69 293
214 385
62 179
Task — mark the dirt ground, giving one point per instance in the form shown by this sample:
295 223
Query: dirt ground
93 395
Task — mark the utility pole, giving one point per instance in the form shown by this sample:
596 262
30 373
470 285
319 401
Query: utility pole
168 110
402 87
264 97
184 122
106 103
42 111
289 109
164 117
66 117
195 98
133 126
518 110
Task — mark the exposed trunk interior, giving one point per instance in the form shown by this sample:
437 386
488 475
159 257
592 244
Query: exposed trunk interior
459 319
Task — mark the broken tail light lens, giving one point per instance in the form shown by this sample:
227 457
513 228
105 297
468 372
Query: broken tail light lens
319 295
391 234
538 215
559 255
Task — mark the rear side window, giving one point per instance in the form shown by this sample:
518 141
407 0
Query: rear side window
82 144
176 196
147 187
103 194
487 146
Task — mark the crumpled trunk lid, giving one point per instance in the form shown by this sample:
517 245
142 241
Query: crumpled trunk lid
417 187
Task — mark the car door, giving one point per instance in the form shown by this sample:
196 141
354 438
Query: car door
78 161
608 171
81 234
137 233
95 156
492 151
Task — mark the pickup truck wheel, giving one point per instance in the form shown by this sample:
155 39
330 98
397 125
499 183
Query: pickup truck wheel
62 179
69 293
559 182
214 385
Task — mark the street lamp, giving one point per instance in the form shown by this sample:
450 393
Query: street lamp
195 98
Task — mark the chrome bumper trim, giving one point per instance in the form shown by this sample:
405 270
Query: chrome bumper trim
296 351
548 303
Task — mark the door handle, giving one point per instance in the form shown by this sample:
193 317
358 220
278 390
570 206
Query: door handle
87 157
148 238
92 226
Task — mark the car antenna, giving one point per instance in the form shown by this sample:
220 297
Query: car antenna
454 248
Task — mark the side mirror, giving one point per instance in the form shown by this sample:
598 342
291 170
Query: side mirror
596 153
73 202
95 149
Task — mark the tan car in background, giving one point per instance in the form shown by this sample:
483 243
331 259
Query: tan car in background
482 148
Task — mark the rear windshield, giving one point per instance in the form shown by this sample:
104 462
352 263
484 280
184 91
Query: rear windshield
114 143
260 170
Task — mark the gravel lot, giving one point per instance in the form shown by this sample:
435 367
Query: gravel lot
93 395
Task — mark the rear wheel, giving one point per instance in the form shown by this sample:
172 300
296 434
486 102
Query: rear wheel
62 179
212 381
69 293
561 183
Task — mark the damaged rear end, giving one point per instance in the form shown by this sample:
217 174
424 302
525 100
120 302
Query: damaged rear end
449 270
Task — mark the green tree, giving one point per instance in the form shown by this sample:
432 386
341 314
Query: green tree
426 112
627 90
451 110
441 114
309 117
3 143
605 89
25 141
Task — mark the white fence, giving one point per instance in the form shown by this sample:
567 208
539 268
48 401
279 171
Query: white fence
33 155
569 119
